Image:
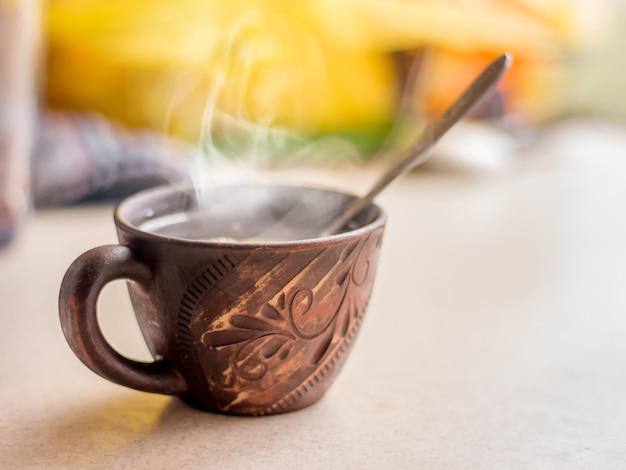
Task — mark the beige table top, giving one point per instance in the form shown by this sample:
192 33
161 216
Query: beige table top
495 338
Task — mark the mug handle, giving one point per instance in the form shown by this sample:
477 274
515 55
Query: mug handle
81 286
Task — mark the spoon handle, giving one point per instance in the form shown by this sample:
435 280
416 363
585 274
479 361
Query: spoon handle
418 152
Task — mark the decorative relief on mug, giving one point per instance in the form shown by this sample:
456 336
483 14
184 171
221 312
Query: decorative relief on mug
275 340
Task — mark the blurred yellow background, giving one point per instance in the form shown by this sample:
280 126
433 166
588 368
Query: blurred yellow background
317 67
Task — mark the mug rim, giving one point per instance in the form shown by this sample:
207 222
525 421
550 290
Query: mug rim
139 199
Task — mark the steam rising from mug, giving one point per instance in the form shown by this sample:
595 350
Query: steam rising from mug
244 81
251 93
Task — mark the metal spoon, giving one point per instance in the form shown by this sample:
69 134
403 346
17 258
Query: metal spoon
418 152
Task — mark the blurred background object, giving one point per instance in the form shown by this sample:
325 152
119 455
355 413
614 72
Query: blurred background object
19 59
266 80
83 157
315 67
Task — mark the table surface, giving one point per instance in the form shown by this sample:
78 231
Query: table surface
495 337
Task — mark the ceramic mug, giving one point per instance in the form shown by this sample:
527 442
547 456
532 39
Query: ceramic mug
245 309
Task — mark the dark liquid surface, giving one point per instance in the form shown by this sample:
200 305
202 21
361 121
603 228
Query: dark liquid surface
247 214
195 226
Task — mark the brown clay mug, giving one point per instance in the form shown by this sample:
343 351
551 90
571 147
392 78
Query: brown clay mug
257 325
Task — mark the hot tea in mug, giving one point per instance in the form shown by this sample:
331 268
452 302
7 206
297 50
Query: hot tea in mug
245 308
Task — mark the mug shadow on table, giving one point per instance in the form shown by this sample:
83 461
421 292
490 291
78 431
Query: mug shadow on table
153 429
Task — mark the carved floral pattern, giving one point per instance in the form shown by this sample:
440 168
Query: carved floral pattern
295 335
